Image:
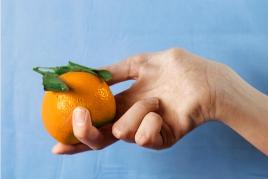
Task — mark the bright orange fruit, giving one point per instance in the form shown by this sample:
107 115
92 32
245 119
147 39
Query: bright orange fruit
86 90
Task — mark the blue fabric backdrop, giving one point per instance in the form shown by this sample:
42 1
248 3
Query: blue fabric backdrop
97 33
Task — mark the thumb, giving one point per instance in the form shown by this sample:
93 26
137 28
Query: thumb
83 129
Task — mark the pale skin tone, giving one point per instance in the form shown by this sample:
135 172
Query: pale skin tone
174 92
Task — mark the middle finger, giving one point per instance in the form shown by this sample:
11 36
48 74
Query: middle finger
127 125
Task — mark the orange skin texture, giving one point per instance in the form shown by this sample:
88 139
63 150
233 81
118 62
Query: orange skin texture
86 90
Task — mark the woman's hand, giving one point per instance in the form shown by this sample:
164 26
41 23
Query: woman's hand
174 92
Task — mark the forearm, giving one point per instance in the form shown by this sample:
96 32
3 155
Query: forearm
245 110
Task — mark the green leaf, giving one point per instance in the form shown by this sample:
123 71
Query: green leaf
61 69
79 66
37 69
76 67
51 82
104 74
43 70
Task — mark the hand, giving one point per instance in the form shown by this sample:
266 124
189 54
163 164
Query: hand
174 92
171 96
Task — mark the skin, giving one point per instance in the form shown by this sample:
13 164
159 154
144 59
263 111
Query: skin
174 92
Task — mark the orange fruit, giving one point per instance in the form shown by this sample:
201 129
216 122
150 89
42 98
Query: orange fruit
86 90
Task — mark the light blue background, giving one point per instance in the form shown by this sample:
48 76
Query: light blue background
97 33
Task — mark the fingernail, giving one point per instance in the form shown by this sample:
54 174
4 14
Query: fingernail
80 116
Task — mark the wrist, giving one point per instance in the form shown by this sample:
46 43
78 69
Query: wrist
238 100
245 110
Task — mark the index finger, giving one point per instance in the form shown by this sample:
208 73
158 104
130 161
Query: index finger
127 69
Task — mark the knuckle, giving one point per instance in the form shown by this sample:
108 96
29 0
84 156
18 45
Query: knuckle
154 117
138 59
124 134
143 70
143 140
133 63
141 104
176 52
147 104
140 141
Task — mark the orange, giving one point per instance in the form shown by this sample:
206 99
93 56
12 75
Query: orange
86 90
